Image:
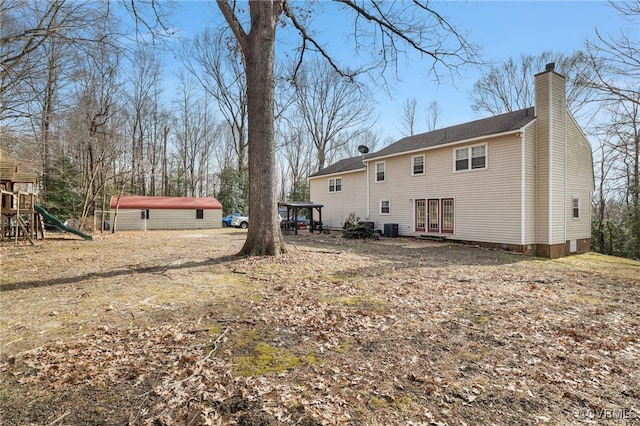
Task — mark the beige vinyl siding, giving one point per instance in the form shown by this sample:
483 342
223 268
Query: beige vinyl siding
168 219
486 201
542 159
339 205
580 181
398 187
559 140
530 202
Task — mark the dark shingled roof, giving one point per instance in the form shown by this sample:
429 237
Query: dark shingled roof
346 165
474 129
487 126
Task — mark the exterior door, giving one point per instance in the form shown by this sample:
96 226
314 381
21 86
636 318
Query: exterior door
421 215
447 215
440 215
434 215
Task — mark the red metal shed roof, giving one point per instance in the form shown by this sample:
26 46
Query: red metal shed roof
169 203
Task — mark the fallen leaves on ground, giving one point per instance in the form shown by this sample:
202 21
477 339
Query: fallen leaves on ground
350 333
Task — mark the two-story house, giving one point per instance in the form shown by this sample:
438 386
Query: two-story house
521 180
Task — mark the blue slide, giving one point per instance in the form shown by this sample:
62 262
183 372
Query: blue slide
52 220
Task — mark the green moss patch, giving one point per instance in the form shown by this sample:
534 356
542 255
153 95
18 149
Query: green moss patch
256 357
265 359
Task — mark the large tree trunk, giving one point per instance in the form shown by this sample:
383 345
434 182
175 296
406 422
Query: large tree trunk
264 236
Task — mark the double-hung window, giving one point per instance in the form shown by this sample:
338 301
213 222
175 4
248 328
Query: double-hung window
335 185
385 207
417 163
462 159
380 171
471 158
479 157
575 207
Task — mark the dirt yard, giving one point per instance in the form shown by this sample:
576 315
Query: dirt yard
171 328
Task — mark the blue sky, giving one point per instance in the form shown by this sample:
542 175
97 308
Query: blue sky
503 29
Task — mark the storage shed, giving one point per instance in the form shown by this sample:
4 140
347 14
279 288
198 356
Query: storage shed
144 213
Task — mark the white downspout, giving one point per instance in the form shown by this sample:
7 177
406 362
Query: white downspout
564 204
522 188
368 194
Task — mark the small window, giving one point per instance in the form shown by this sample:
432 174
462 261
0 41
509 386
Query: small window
199 214
576 208
418 165
385 207
335 185
380 172
144 214
477 154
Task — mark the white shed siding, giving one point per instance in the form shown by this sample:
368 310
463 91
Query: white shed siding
580 182
168 219
339 205
486 202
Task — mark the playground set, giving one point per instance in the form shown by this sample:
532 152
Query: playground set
21 218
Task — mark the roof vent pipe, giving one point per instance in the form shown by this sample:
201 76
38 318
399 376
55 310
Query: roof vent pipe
550 66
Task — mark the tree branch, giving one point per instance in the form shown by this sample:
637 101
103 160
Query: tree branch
234 24
306 38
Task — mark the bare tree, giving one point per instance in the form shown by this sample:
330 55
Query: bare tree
195 136
144 88
41 45
92 132
330 106
433 116
507 87
396 25
614 63
408 118
27 27
214 62
368 137
299 160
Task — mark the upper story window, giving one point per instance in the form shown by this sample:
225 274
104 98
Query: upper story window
335 185
417 163
471 157
380 171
